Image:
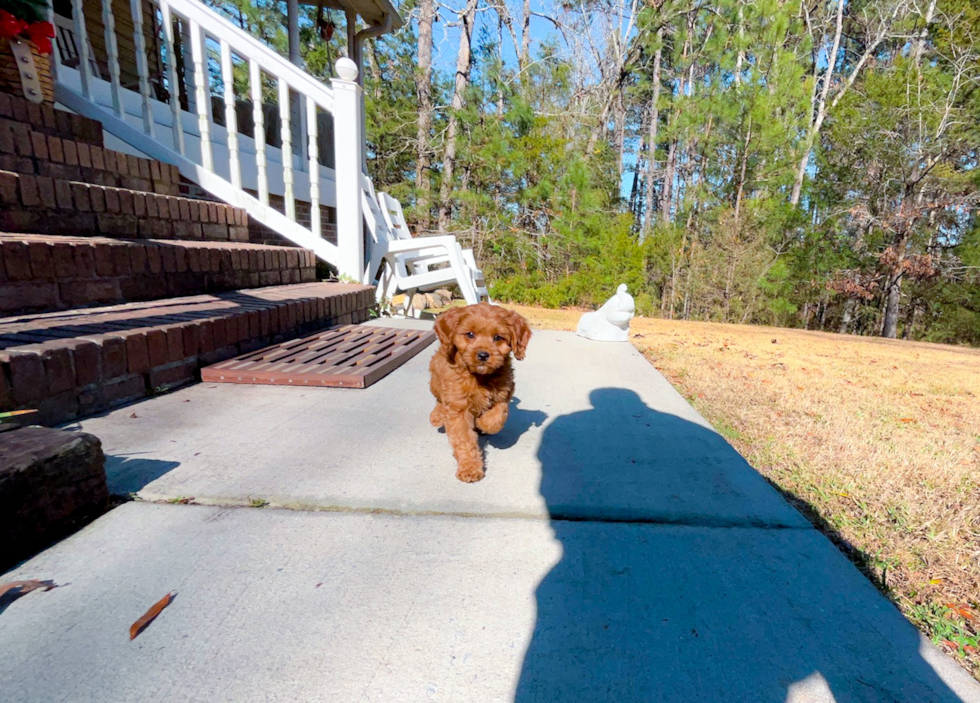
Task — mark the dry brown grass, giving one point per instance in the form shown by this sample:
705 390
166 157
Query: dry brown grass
877 441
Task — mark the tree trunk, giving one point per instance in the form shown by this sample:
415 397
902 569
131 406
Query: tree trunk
889 325
666 193
423 85
525 55
652 140
463 59
848 316
821 109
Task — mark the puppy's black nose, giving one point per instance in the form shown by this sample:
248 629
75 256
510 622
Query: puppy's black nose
483 356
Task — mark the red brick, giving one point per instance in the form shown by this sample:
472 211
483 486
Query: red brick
8 188
206 343
184 210
27 376
17 260
222 215
97 197
39 145
180 259
169 259
154 262
144 168
58 370
125 389
84 155
111 162
137 259
265 323
113 357
46 191
213 261
84 260
88 362
71 152
80 194
7 145
254 325
137 353
98 158
155 170
192 339
29 195
62 193
172 376
56 150
103 260
152 205
194 259
174 207
63 258
133 165
175 342
139 204
126 202
195 210
42 263
156 345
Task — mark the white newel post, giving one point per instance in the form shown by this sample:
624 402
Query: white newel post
348 144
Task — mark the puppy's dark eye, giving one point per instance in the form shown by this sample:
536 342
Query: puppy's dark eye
498 338
470 335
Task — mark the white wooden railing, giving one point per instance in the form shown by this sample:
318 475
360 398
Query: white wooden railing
244 170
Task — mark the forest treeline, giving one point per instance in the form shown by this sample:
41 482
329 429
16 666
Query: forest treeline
790 162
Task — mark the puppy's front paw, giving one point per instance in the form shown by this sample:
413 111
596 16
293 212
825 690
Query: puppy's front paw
436 417
470 475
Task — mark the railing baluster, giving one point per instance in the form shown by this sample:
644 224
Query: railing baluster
287 149
231 115
258 118
314 153
203 95
81 36
142 66
55 50
112 52
172 84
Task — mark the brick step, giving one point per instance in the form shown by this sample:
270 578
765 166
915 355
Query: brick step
26 151
51 483
44 273
45 205
71 364
18 112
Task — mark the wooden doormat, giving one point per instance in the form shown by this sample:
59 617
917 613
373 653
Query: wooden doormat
352 356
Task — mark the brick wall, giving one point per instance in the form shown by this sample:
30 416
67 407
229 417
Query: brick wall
51 482
44 273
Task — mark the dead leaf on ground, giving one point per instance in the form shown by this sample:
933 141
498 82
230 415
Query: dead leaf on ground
133 416
150 615
960 609
15 589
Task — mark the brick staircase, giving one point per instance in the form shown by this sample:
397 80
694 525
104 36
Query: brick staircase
114 287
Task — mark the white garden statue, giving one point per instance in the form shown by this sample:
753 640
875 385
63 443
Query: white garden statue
611 322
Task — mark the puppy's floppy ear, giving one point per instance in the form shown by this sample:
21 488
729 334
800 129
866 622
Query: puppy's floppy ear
446 326
520 333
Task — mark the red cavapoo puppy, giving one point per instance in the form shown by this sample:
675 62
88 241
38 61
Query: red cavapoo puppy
472 379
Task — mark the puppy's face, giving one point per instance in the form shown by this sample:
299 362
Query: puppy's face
482 336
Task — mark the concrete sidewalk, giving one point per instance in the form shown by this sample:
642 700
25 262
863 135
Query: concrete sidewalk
618 550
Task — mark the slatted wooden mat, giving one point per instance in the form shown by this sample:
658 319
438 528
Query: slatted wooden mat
352 356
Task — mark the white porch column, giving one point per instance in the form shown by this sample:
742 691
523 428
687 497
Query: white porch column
348 146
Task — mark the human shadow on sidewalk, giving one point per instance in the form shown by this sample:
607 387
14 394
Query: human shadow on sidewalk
699 608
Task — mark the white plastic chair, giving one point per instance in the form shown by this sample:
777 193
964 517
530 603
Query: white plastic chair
407 265
422 258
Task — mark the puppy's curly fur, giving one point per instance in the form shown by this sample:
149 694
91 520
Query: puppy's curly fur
472 378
